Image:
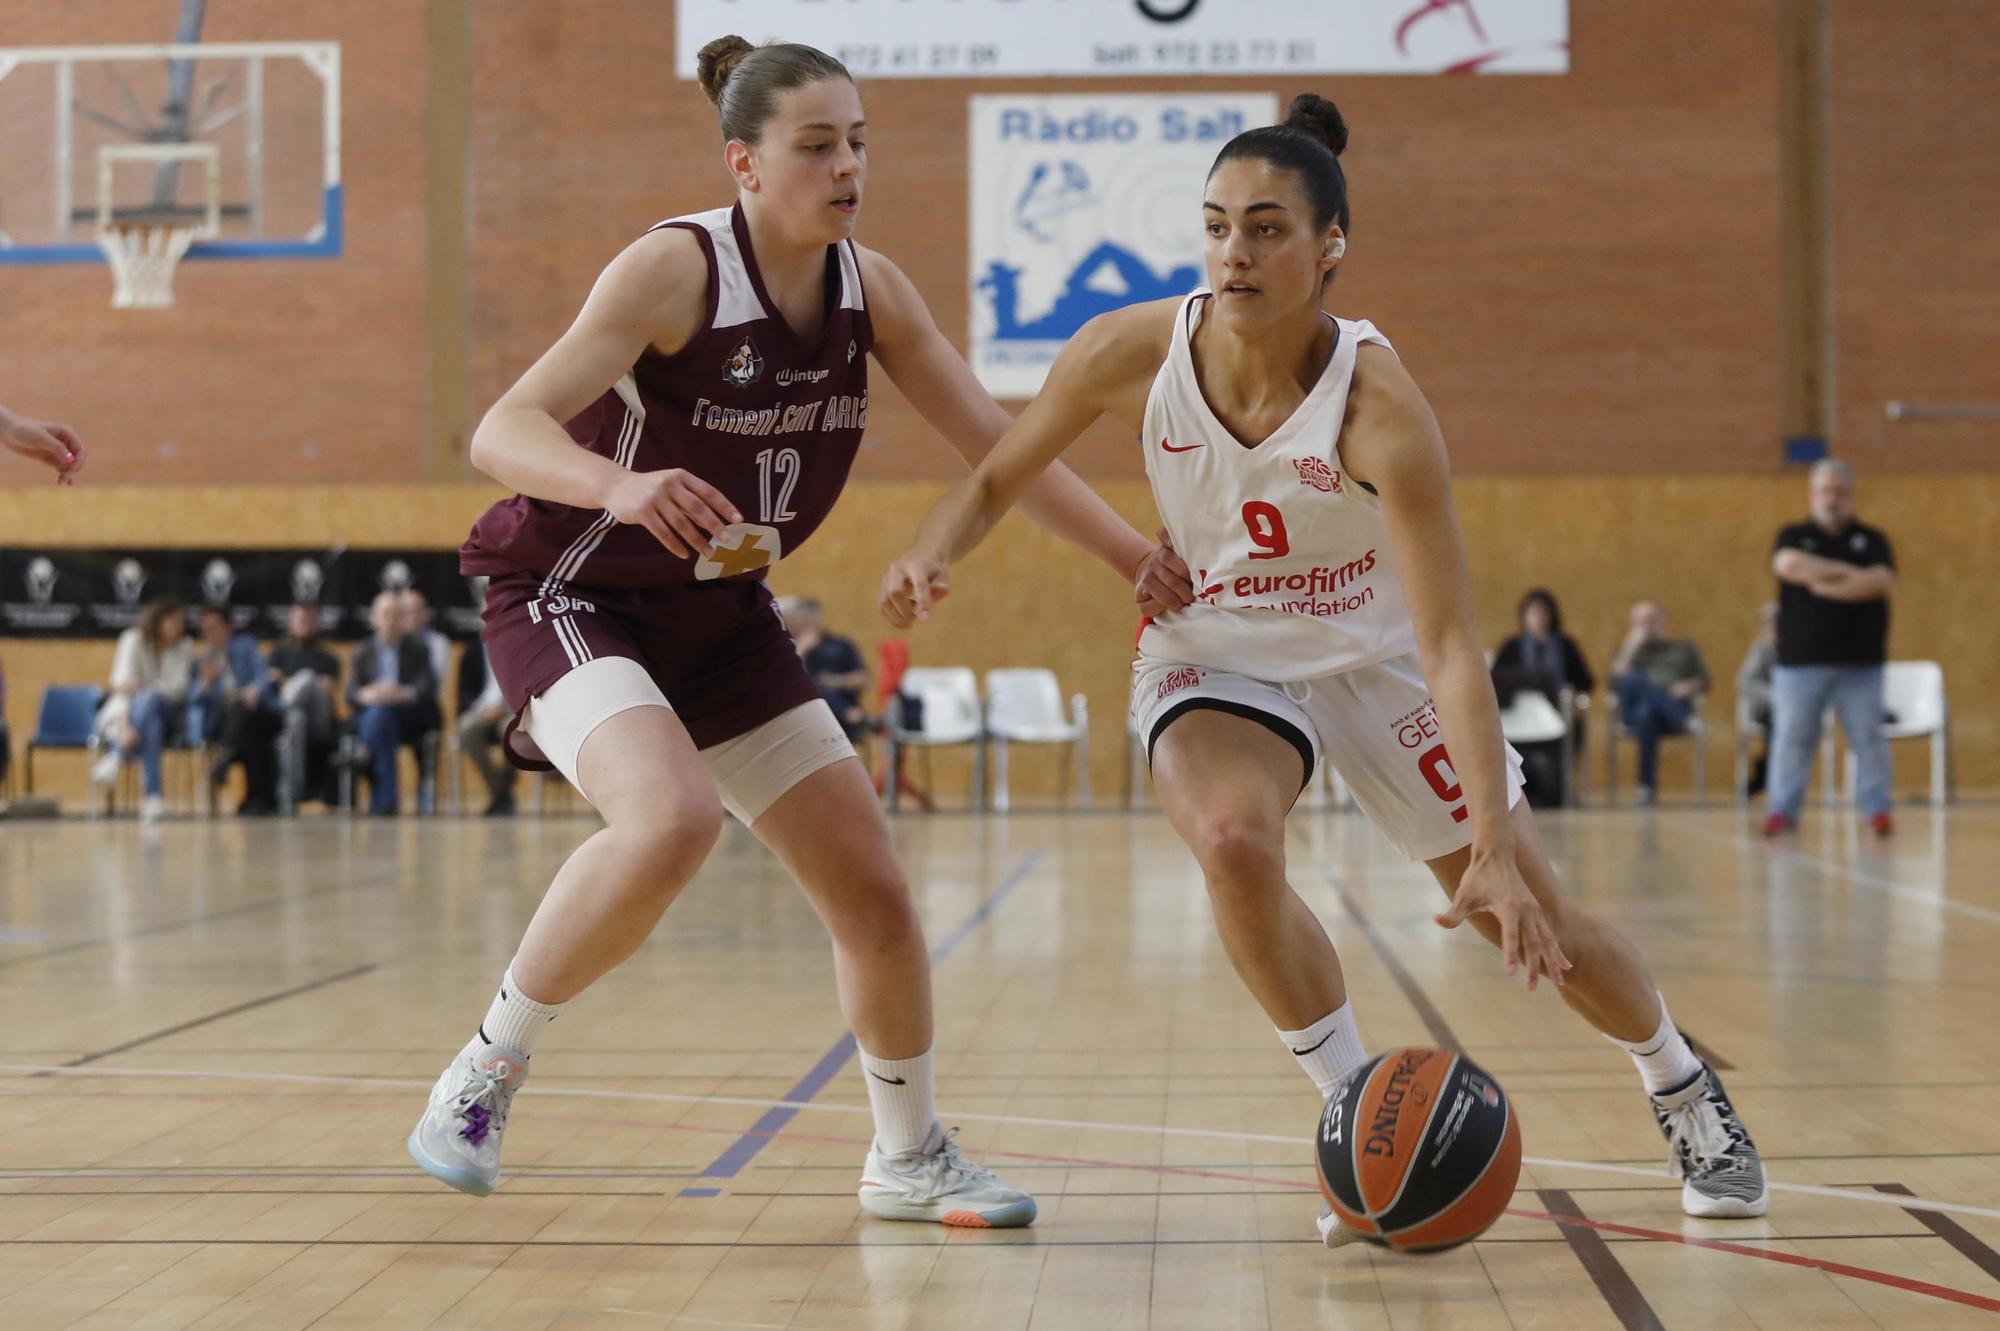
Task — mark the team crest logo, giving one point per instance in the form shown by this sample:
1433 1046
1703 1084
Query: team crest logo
744 366
216 581
40 579
1315 472
128 581
396 576
307 579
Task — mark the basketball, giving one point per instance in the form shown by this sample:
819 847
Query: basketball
1419 1150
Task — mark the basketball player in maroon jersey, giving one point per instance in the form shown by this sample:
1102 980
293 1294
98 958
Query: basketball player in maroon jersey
694 425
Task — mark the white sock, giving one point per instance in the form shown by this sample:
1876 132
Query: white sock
515 1021
1664 1060
903 1094
1328 1049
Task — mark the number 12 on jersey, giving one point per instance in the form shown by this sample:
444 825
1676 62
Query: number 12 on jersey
786 464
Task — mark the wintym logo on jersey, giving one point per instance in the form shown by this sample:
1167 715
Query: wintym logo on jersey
1315 472
744 366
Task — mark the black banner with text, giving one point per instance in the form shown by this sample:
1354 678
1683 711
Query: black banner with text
97 593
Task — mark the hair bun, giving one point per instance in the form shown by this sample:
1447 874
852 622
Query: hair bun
1318 117
717 61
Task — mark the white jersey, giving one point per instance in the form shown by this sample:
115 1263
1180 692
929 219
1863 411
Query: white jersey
1290 557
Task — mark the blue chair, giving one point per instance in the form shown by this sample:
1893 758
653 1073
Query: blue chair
69 712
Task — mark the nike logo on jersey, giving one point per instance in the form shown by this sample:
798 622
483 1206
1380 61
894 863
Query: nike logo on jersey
1184 448
893 1081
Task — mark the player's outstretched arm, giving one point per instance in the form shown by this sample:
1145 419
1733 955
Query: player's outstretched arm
943 388
655 294
54 446
1095 372
1392 442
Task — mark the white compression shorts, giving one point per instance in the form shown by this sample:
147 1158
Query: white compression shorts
752 770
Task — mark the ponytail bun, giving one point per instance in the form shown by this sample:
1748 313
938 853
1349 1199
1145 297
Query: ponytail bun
1313 114
718 60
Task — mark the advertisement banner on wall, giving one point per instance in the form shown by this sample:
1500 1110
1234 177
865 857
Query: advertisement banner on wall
940 39
98 593
1082 204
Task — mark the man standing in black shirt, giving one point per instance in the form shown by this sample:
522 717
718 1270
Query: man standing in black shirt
1834 579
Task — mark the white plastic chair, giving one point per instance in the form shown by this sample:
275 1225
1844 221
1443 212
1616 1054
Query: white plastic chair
1914 699
1532 719
948 697
1024 706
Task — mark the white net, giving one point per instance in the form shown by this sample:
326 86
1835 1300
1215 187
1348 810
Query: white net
143 259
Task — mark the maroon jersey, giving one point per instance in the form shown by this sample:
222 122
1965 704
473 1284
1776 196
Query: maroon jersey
766 417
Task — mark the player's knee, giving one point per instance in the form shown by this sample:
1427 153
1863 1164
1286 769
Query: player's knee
1238 852
673 835
873 910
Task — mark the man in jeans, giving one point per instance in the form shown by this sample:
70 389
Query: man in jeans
1834 579
1657 679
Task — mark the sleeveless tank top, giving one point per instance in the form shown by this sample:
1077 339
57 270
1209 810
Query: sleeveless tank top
770 419
1290 555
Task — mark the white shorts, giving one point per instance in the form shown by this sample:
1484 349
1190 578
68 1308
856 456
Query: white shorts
1375 724
752 771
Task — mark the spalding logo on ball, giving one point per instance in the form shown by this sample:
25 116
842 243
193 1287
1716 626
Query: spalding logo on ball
1419 1150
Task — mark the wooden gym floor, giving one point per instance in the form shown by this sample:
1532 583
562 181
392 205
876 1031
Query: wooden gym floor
215 1036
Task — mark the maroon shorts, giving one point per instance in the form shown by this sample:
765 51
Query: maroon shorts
718 650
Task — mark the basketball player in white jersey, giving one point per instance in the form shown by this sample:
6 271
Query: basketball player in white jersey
1302 478
54 446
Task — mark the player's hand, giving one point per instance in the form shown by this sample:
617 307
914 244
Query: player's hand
1496 887
911 587
684 512
52 445
1162 584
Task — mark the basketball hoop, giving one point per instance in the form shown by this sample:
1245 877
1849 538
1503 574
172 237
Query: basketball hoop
142 261
144 246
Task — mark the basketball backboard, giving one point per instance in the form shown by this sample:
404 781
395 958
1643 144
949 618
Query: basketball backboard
238 139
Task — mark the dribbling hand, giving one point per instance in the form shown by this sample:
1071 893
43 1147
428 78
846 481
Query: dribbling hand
684 512
1496 887
911 587
1162 584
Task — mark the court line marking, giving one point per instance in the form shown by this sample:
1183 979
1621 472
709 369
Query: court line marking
1011 1120
1945 1292
261 1001
1958 1236
745 1148
363 884
1854 874
1613 1281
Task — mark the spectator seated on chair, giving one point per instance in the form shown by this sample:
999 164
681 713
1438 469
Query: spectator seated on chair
834 663
1753 693
1657 680
307 678
393 694
416 608
233 704
145 711
6 740
482 726
1547 660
